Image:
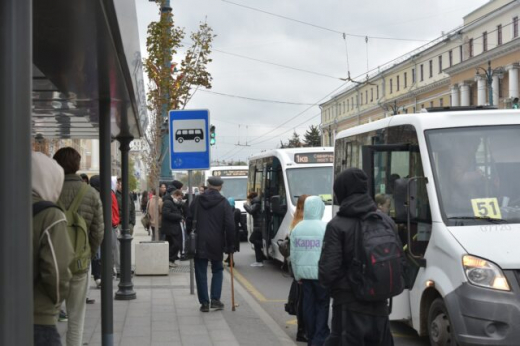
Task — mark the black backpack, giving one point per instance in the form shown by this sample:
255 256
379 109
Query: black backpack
376 271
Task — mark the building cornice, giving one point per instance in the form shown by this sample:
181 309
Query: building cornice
482 58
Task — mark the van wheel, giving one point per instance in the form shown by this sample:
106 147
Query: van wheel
180 140
197 139
439 325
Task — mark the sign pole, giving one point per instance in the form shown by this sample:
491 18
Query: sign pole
190 198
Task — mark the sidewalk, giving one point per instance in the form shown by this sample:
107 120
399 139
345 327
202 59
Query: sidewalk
165 313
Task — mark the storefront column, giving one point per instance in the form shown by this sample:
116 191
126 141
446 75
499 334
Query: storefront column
495 86
464 94
455 96
481 90
513 80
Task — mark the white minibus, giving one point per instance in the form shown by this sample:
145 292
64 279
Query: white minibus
279 177
453 181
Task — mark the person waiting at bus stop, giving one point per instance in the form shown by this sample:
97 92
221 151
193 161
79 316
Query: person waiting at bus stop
253 207
215 231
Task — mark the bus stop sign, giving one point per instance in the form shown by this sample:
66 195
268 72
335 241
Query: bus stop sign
189 139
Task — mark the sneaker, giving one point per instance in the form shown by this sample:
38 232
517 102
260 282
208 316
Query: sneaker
173 265
300 337
98 283
204 308
217 304
257 264
90 301
63 317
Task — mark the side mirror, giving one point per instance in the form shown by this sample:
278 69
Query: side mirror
277 208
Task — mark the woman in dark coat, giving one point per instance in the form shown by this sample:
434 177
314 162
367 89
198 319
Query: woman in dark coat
171 223
144 201
253 207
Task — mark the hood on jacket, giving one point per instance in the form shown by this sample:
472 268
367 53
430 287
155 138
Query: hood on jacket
47 177
313 208
113 183
351 190
95 182
210 198
231 201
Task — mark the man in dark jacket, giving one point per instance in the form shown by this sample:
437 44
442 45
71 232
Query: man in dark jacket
354 322
253 208
215 228
131 204
171 222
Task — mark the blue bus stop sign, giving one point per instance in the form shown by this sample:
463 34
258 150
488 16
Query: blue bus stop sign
189 139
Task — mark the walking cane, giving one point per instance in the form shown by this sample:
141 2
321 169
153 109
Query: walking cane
231 265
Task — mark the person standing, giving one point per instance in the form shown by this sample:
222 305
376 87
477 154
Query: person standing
131 204
144 201
211 217
237 217
306 243
154 208
91 211
171 223
354 322
253 207
52 250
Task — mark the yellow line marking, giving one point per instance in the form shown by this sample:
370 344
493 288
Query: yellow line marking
292 322
252 289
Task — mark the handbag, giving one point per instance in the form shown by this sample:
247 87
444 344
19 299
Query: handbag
284 246
291 307
145 220
190 245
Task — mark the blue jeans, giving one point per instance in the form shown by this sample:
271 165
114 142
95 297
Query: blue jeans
201 276
46 335
316 301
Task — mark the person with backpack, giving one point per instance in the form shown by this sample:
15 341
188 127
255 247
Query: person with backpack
306 243
52 251
352 267
84 213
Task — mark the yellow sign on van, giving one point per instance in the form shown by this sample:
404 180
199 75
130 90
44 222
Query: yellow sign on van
486 207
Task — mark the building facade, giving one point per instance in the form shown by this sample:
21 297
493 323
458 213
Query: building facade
475 64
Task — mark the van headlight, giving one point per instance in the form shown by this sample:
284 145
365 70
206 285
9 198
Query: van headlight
481 272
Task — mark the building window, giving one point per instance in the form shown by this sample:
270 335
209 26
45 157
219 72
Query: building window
397 83
352 102
366 96
405 77
413 76
440 64
344 109
515 27
391 86
431 104
413 109
377 92
371 94
470 46
348 105
460 53
441 102
450 58
430 64
422 72
361 103
484 41
499 34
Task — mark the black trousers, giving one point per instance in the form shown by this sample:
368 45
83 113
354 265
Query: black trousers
256 240
351 328
46 335
175 242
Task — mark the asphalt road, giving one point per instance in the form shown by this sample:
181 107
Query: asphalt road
270 287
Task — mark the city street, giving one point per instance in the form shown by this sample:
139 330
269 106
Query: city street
270 286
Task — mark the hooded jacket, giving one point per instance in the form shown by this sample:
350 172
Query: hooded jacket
90 208
351 191
307 240
171 216
52 250
215 225
254 208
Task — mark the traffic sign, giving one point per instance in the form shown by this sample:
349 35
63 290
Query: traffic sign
189 139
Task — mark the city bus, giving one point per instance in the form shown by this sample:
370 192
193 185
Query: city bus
280 177
452 179
235 185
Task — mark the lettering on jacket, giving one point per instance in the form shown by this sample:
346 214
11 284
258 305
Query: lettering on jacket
307 243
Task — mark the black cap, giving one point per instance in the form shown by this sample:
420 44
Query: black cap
215 181
177 184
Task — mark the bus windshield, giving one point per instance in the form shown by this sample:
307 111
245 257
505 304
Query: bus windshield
476 171
235 187
315 181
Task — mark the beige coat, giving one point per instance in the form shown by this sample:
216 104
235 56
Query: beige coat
152 210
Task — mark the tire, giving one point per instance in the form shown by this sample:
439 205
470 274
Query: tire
180 140
197 139
440 330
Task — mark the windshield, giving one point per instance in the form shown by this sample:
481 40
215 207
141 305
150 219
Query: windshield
477 170
236 188
315 181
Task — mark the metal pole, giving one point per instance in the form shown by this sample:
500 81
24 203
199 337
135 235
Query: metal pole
16 271
490 83
107 265
126 287
190 198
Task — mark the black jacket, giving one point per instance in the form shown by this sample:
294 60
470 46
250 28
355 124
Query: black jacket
171 216
254 209
215 225
131 204
338 243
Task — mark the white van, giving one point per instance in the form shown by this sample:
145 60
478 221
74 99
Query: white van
453 182
279 177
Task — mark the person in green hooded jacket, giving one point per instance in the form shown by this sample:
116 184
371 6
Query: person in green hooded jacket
52 250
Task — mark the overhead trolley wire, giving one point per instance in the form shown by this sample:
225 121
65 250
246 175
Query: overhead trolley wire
256 99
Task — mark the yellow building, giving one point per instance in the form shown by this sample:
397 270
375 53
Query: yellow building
472 65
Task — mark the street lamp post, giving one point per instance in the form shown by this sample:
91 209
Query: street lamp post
489 73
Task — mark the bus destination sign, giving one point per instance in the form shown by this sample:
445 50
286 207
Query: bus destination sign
230 173
314 158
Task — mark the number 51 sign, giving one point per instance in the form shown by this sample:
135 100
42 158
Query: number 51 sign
486 207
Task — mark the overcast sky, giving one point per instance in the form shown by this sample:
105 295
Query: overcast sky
319 49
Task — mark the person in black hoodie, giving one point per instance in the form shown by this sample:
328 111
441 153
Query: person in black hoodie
253 208
354 322
215 228
171 222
